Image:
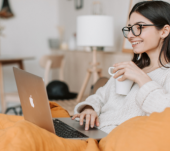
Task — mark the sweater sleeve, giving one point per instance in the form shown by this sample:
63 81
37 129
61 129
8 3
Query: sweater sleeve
152 97
96 100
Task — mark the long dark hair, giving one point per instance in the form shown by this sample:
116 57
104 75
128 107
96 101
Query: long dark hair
158 12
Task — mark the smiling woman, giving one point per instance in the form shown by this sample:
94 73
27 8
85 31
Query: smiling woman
156 39
148 31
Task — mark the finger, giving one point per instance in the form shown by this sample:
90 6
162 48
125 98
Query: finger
120 63
119 73
92 122
82 116
122 78
74 116
120 67
97 121
87 121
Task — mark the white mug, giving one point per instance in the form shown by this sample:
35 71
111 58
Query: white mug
122 87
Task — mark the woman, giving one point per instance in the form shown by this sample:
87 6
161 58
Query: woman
148 32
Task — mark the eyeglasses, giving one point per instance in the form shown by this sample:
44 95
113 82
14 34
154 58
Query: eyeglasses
136 29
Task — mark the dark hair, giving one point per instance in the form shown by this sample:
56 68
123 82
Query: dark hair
158 12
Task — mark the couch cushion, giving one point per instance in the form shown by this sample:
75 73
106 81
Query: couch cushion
147 133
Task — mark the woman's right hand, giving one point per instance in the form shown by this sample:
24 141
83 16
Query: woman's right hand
90 115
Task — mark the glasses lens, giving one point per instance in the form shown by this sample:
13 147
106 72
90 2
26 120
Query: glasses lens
125 31
136 30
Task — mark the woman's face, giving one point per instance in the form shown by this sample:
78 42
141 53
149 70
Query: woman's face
149 38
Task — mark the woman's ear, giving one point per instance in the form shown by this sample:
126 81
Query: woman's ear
165 31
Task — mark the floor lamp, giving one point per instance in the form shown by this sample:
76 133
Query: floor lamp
94 31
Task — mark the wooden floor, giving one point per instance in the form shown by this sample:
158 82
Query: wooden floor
69 104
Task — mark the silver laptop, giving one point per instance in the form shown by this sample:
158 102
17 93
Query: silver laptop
35 106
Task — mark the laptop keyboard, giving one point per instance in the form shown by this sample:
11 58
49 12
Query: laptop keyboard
65 131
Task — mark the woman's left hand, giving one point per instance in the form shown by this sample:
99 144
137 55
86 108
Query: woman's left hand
130 71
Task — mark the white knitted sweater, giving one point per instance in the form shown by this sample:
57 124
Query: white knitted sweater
113 109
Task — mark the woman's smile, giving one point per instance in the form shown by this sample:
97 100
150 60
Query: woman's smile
135 43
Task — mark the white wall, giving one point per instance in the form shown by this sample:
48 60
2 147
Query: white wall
36 20
27 34
116 8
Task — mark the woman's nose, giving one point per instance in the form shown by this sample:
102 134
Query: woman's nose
130 34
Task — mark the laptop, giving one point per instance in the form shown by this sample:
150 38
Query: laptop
36 109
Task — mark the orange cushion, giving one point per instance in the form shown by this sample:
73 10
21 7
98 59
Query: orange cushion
57 110
16 134
147 133
25 136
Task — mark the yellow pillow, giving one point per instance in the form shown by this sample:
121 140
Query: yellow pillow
143 133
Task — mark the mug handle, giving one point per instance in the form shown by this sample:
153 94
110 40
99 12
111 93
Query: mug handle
109 70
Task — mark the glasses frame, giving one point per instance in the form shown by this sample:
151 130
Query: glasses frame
131 28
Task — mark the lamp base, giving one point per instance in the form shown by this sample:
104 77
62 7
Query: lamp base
93 70
86 80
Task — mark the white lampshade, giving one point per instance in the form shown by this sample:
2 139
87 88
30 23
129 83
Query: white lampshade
95 30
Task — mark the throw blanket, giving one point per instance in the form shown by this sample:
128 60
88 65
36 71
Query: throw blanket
137 134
